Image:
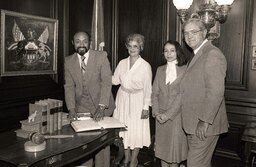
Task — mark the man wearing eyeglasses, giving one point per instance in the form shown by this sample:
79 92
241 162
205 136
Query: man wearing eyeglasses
203 106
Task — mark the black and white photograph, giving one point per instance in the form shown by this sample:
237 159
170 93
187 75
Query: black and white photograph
128 83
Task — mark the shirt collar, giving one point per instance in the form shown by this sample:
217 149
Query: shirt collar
86 55
174 62
196 50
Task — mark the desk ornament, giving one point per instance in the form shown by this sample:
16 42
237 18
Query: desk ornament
37 141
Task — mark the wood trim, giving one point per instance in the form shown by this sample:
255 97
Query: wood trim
242 102
236 127
166 21
115 19
66 28
54 15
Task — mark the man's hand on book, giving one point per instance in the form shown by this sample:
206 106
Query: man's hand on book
72 115
99 113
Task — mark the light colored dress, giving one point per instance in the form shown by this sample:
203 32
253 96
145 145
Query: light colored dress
133 96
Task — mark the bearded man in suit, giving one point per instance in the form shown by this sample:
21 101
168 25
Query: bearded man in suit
204 114
88 82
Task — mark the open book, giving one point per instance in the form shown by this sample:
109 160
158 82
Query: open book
90 124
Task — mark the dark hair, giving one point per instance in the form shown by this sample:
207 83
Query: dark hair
182 59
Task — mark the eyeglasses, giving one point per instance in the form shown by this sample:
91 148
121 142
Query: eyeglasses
132 46
193 32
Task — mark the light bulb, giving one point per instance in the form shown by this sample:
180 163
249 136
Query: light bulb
224 2
182 4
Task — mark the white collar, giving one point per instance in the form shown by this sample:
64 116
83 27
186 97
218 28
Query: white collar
174 62
196 50
86 55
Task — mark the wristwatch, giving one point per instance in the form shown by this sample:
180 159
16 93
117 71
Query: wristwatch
102 107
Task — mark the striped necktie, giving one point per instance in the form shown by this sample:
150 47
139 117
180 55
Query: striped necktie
83 65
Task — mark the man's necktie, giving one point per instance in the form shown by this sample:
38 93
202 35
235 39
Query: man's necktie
83 65
190 58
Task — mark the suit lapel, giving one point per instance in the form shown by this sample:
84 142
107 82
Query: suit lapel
198 55
90 64
180 70
163 78
77 70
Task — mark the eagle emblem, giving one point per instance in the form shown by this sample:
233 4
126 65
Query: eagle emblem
28 49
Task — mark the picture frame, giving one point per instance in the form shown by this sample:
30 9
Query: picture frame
254 51
28 44
253 64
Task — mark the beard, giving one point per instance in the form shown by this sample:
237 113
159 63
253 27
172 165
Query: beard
82 50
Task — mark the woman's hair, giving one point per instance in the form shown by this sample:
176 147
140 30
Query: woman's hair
182 59
136 37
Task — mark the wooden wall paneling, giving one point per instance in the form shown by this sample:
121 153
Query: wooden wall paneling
229 144
229 148
80 18
128 21
235 43
114 35
108 25
136 16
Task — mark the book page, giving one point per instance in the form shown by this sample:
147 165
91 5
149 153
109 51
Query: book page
85 125
90 124
110 122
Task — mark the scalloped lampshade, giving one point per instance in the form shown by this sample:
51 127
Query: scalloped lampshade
224 2
182 4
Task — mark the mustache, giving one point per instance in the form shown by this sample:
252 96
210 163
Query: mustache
82 47
81 52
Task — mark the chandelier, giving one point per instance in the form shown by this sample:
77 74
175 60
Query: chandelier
210 12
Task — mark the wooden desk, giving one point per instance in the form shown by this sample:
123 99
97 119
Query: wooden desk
58 152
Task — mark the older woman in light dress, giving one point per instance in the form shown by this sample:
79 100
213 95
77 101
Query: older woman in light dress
133 99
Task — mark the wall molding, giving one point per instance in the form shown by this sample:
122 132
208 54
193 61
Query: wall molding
115 18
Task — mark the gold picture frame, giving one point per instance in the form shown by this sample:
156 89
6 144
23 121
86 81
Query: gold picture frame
254 64
28 44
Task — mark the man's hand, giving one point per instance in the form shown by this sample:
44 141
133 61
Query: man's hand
161 118
144 114
201 130
99 113
72 115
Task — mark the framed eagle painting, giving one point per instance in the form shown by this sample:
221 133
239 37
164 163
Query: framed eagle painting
28 44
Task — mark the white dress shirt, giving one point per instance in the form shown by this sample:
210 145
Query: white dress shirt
86 55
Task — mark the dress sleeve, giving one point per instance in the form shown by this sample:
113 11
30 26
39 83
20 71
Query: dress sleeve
116 76
155 95
147 89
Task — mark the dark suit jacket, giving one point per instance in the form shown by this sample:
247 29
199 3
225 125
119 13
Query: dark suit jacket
99 85
202 90
167 98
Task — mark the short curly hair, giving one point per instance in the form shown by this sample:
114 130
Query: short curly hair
136 37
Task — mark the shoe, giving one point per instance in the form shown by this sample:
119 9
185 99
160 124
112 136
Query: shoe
125 164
